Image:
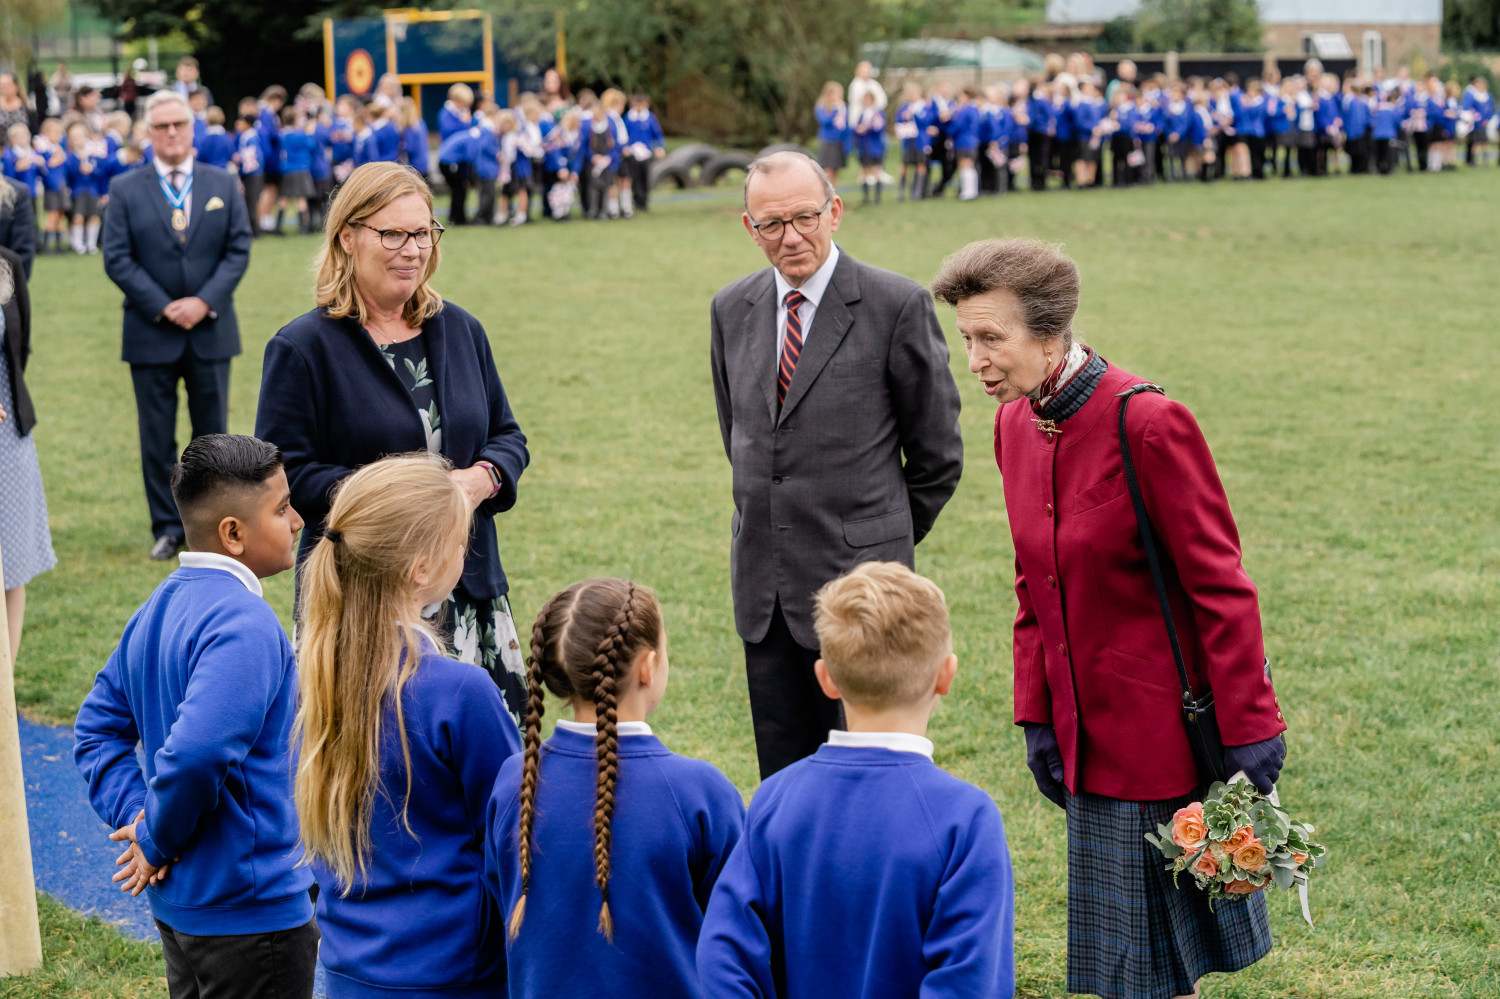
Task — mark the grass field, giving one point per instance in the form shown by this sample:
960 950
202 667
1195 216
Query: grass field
1336 340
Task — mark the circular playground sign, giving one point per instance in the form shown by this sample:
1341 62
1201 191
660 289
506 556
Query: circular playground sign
359 72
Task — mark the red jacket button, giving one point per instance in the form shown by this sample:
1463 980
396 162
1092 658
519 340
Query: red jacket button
1052 582
1049 509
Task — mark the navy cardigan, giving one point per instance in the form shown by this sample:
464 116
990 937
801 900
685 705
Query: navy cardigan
332 403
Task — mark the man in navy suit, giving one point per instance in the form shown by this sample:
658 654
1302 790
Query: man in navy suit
176 241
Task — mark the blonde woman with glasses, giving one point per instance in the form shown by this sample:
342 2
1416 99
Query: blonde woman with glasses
382 365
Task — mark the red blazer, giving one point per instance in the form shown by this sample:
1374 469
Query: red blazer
1091 651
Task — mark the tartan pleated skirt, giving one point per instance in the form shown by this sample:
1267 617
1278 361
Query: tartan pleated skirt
1131 934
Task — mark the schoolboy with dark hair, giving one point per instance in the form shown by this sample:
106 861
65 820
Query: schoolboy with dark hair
204 680
866 871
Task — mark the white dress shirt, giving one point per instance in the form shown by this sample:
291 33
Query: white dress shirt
900 742
185 168
812 290
213 560
590 729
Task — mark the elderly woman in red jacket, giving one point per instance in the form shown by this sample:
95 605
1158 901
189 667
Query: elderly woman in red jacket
1096 686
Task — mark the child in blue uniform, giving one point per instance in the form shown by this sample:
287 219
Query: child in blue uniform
833 129
51 145
916 146
456 163
646 143
1479 112
22 162
248 161
216 148
963 132
1386 129
88 184
869 140
298 147
268 127
1039 131
603 845
398 746
865 871
204 680
416 152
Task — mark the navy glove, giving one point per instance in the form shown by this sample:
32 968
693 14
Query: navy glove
1261 762
1045 762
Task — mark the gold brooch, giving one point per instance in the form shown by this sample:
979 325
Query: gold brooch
1046 426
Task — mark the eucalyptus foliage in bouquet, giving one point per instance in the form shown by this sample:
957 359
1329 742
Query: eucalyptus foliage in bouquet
1236 842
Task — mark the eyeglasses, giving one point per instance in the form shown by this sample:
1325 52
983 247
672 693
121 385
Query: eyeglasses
395 239
167 126
806 223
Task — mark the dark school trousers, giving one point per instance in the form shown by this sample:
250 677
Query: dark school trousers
277 965
1384 160
639 172
1038 158
207 384
457 177
789 711
253 185
485 213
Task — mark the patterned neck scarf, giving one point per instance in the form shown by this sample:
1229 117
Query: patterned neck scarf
1080 375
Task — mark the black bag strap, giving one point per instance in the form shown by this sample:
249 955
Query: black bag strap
1148 539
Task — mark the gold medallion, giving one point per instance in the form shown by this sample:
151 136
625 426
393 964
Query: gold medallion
179 219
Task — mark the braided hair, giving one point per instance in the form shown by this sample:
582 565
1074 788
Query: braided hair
582 646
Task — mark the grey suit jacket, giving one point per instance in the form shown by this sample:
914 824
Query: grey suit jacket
822 485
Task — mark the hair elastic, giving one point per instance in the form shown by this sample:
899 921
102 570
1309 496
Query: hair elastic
333 536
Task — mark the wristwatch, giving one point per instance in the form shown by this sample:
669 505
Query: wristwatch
494 475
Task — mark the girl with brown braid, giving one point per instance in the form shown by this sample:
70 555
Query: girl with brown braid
603 845
397 745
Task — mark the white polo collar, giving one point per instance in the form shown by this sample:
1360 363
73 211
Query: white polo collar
589 728
900 742
213 560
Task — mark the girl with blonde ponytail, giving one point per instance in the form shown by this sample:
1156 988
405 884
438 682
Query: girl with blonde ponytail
397 746
603 845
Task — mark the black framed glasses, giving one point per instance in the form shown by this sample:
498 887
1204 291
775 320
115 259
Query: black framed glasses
395 239
806 223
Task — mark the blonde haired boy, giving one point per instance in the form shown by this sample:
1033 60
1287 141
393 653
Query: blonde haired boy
865 870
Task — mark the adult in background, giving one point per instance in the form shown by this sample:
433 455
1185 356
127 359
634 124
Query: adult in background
1096 687
13 109
840 419
25 539
176 242
864 82
18 221
62 86
384 366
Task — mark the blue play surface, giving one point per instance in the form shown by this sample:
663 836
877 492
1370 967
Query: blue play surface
71 853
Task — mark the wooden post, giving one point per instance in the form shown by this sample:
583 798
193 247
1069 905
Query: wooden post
20 936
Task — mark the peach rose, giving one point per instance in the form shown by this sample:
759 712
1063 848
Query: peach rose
1242 888
1251 856
1206 865
1188 828
1239 838
1300 858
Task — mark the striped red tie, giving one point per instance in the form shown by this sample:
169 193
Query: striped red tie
792 348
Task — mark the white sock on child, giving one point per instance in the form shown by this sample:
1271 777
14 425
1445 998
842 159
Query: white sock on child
91 235
627 202
77 239
968 184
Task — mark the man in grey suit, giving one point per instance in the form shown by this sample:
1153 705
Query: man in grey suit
176 241
840 419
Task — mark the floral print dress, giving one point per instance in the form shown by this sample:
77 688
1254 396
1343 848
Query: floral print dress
481 632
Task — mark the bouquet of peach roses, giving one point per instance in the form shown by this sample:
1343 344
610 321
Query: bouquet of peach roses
1237 841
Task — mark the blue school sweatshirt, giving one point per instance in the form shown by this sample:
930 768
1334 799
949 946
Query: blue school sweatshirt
422 923
251 152
833 123
1039 110
457 148
33 176
676 820
1387 121
205 680
1357 117
864 873
963 127
645 129
297 149
415 151
322 168
914 113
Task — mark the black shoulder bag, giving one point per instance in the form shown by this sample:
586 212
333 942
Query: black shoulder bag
1197 712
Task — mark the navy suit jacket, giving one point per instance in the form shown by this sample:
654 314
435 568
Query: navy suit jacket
330 401
154 266
18 225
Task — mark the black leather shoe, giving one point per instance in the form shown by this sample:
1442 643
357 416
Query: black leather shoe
166 546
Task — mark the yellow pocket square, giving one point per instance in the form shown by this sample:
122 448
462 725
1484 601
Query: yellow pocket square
214 204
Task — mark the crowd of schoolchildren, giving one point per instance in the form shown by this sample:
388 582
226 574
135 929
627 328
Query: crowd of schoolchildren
539 158
1073 127
360 800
